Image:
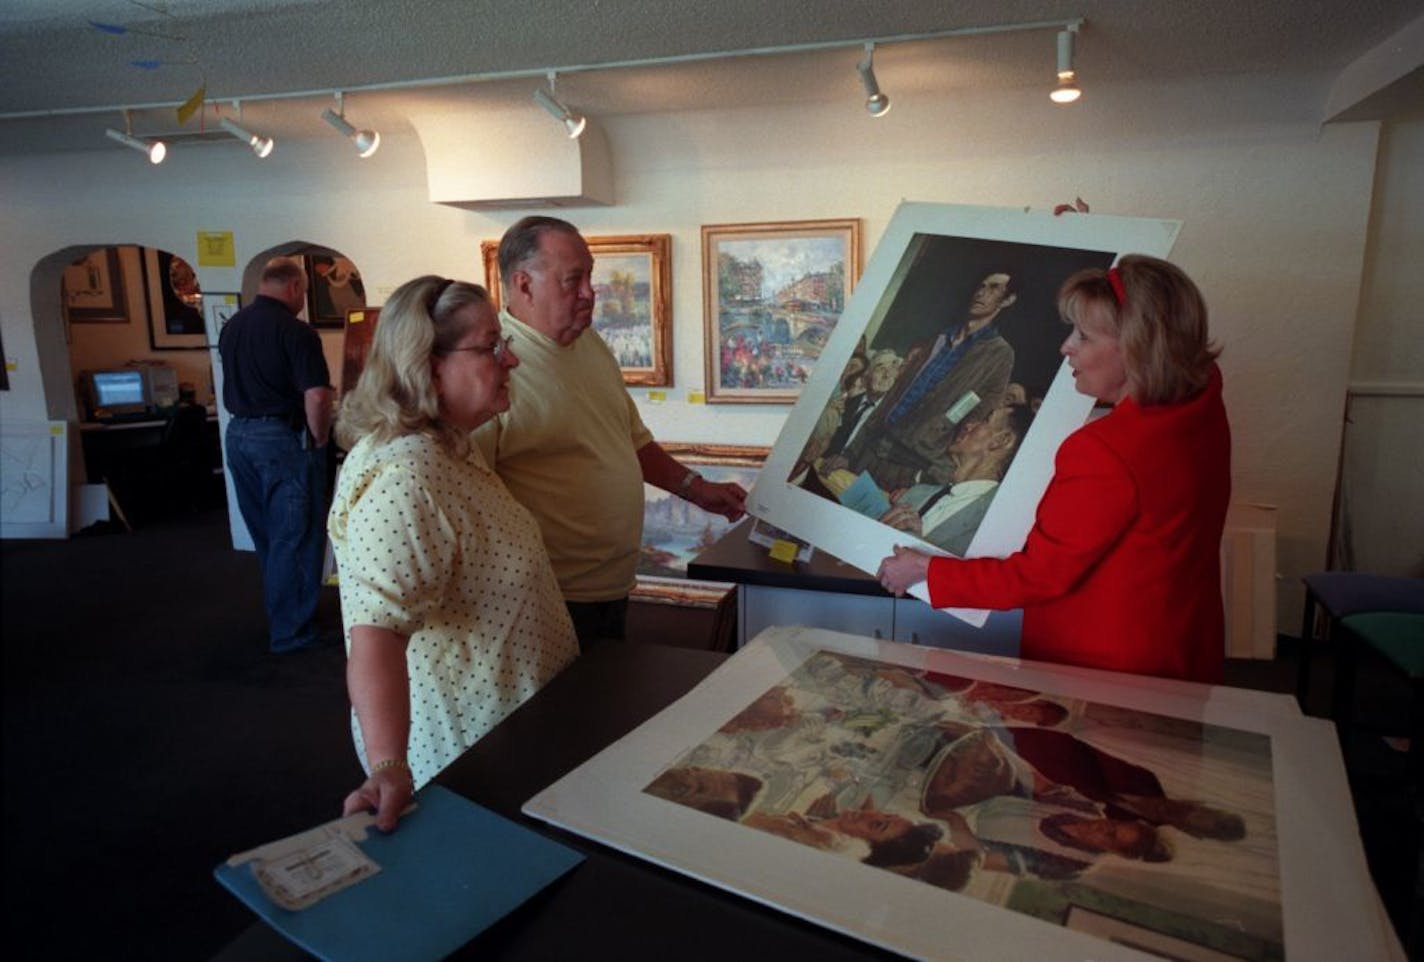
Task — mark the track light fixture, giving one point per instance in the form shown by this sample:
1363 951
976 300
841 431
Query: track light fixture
367 141
261 146
574 123
876 102
155 149
1067 90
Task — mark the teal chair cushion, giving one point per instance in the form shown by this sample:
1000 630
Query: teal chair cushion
1399 636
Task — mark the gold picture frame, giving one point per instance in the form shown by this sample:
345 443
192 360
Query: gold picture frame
674 532
632 274
771 296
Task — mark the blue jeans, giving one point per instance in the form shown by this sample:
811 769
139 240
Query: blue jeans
281 491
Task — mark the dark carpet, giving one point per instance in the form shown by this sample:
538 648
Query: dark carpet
148 734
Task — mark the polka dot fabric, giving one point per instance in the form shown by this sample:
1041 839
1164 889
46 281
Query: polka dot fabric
435 549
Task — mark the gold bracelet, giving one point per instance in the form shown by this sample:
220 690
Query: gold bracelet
389 763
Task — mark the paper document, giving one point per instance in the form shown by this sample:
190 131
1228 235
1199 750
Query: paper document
345 891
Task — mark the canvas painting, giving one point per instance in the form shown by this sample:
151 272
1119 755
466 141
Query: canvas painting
948 806
941 398
674 530
93 289
632 284
334 288
773 293
175 302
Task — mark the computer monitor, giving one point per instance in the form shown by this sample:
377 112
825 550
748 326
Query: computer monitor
117 393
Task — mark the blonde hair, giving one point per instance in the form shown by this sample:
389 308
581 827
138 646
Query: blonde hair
395 394
1161 324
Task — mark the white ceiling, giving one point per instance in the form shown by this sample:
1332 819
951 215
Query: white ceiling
54 66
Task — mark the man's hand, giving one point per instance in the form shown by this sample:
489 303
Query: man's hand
726 498
905 568
902 517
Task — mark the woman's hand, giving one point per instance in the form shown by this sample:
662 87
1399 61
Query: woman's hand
386 792
905 568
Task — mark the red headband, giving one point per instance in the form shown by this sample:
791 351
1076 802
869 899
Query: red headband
1119 292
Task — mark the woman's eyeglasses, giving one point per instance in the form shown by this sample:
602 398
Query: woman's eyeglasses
499 350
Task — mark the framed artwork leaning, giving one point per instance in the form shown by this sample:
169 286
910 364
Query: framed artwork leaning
632 312
941 398
771 296
676 531
951 806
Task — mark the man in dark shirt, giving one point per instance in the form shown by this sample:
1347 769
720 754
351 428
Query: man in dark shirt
278 391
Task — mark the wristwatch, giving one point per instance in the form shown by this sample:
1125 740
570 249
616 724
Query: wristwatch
686 486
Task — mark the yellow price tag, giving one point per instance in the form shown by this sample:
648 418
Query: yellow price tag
696 397
657 397
783 550
56 430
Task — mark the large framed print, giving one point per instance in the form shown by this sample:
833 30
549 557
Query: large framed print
675 531
951 806
93 289
939 401
175 302
334 289
772 296
632 281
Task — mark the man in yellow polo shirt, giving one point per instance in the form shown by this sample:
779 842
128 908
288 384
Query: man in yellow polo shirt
572 447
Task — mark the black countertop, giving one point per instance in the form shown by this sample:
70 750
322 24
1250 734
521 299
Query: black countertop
734 558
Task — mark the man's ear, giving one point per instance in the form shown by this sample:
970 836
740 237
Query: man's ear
1008 302
518 285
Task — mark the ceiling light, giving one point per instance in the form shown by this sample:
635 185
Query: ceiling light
876 102
1067 90
367 141
574 123
155 149
261 146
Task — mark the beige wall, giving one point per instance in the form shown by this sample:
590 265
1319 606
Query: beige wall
1275 213
1382 513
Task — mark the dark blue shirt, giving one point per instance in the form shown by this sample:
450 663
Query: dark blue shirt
270 359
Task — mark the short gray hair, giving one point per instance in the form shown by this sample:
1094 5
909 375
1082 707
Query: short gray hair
520 243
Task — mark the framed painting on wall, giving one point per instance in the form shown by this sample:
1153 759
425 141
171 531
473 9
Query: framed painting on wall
632 281
949 348
94 289
219 307
771 295
175 302
676 531
334 288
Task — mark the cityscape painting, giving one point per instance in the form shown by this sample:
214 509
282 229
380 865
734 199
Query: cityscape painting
772 295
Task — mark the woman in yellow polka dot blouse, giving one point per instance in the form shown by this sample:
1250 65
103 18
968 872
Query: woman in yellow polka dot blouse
451 610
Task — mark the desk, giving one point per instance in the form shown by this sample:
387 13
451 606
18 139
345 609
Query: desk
147 467
612 906
826 592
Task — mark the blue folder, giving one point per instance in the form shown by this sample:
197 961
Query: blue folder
450 870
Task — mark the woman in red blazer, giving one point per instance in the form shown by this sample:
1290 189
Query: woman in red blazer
1121 570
